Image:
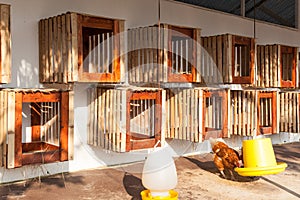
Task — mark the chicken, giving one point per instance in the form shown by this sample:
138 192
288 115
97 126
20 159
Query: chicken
225 157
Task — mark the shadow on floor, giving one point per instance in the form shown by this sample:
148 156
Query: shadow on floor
133 186
210 167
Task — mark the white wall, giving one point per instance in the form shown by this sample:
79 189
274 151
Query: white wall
24 27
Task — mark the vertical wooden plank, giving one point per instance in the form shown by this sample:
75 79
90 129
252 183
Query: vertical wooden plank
176 113
197 118
2 128
226 58
181 104
18 129
59 67
11 130
275 66
258 61
71 126
267 72
282 117
192 124
279 72
214 57
230 61
235 112
243 114
69 47
64 107
219 58
103 118
188 120
163 113
122 39
262 67
198 49
290 111
172 113
118 120
5 42
240 113
249 99
74 49
42 57
286 113
163 72
51 53
271 66
64 45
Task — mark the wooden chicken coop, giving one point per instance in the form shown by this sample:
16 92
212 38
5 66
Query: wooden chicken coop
164 54
124 119
228 59
5 44
37 125
277 66
76 47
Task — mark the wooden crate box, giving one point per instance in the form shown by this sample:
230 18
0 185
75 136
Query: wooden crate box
125 119
5 44
243 112
164 54
227 59
76 47
47 138
289 112
277 66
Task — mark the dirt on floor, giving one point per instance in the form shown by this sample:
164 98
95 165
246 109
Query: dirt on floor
198 178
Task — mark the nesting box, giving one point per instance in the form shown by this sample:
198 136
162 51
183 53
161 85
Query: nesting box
163 54
277 66
125 119
5 44
228 59
76 47
37 125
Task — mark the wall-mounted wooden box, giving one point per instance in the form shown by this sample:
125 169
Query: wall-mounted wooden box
125 119
164 54
228 59
37 125
81 48
277 66
5 44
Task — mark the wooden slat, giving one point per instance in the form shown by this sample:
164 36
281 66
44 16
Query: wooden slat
73 68
64 50
71 126
267 72
163 71
11 130
5 44
50 50
64 147
18 129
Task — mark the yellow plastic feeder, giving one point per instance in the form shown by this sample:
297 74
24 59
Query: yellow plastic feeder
259 158
146 195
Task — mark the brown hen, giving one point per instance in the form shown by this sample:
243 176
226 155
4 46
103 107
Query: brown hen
225 158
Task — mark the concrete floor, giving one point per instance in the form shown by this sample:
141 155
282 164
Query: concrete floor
198 178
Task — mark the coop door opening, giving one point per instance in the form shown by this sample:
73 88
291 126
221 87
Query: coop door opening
288 66
214 114
41 128
243 60
267 114
99 49
181 55
144 120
